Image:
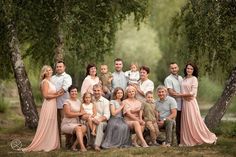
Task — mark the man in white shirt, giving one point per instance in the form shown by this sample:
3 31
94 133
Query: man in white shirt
103 112
62 81
173 85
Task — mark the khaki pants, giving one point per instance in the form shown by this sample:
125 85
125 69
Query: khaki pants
153 128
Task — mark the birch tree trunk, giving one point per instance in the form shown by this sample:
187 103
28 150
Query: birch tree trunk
216 112
28 106
59 49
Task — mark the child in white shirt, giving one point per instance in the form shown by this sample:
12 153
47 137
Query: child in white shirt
133 74
89 107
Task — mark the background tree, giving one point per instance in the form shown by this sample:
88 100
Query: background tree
10 55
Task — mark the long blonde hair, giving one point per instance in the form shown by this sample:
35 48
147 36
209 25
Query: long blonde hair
43 71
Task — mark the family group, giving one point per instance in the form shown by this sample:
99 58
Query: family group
115 109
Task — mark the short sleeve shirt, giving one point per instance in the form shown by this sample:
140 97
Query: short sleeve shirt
164 106
174 82
148 111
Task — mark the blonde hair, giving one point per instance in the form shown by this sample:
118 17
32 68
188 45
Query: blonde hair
85 94
43 71
135 64
127 90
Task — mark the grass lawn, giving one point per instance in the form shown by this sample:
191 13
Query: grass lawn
226 146
12 127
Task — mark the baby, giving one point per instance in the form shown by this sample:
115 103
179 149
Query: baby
150 114
133 74
106 78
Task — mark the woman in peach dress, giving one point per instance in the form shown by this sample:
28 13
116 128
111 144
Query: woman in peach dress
46 137
132 116
193 129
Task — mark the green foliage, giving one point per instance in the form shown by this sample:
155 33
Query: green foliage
137 46
205 33
162 12
206 86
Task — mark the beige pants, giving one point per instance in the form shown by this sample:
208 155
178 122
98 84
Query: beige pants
153 128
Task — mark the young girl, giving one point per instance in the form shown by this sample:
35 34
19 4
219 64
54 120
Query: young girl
89 107
133 74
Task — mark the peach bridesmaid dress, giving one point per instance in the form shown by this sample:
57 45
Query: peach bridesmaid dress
46 137
193 129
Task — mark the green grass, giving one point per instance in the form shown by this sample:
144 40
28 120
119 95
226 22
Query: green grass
226 145
4 105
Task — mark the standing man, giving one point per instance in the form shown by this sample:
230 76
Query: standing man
144 84
119 79
62 81
103 114
167 110
173 85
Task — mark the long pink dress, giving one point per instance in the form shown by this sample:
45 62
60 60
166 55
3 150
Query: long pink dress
193 129
46 137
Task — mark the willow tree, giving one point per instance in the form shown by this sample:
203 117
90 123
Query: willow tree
85 30
205 32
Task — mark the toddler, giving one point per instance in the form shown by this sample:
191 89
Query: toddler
106 78
133 74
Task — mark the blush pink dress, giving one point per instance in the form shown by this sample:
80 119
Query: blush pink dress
46 137
87 85
193 129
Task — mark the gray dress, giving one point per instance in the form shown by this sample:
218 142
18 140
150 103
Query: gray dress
117 133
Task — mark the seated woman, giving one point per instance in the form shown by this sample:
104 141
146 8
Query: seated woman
132 116
71 121
117 132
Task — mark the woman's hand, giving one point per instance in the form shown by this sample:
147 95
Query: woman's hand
188 98
141 122
122 105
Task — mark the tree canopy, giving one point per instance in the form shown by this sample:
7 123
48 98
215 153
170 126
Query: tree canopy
87 28
205 32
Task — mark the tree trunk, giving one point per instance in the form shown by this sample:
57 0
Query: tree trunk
28 106
59 49
216 112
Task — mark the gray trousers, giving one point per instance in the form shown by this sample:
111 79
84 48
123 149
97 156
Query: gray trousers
169 126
